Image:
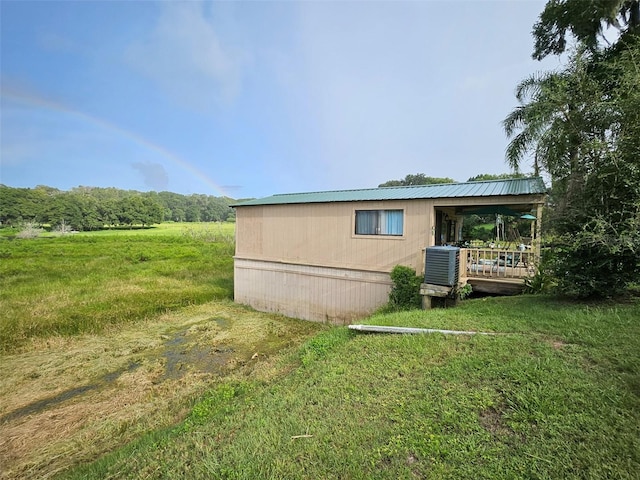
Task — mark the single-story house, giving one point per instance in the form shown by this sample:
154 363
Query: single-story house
326 256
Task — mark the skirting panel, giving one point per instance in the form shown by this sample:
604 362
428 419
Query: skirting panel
324 294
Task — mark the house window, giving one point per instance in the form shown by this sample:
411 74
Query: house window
379 222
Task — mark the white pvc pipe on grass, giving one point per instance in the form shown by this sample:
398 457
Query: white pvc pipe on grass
383 329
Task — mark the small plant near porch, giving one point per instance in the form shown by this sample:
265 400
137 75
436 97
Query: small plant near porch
405 292
463 291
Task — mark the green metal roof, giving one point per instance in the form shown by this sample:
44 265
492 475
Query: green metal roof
516 186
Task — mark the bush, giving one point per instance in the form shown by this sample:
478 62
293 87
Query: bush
463 291
599 261
405 292
29 230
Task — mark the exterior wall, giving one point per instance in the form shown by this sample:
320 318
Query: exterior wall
323 235
305 261
337 296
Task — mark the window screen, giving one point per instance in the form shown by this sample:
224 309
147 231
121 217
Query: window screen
379 222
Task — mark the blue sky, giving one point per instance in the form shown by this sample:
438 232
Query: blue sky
248 99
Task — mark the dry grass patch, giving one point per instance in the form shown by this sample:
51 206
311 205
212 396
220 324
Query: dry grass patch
67 400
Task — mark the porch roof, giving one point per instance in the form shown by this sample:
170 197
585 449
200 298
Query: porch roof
515 186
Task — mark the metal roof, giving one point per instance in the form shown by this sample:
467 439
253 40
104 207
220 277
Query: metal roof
516 186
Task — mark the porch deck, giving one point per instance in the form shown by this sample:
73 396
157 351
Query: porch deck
496 270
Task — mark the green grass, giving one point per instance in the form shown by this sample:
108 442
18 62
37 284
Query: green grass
183 229
82 283
555 394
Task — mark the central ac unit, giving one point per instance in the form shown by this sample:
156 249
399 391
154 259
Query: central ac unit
442 265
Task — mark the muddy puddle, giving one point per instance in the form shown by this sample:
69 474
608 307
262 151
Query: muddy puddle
180 356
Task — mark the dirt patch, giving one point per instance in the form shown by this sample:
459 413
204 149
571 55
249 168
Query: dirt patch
492 421
69 400
555 343
181 356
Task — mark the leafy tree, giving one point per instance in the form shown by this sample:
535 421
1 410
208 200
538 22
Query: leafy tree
19 205
90 218
192 213
108 212
138 210
581 124
584 20
90 208
559 117
12 205
490 176
178 215
63 208
128 211
417 179
153 211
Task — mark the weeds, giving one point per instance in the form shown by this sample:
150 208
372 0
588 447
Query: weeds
215 233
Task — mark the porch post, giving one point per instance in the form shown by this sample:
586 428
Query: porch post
538 244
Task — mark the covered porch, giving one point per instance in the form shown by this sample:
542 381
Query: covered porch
499 264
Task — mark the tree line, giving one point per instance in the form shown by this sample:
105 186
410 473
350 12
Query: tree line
94 208
422 179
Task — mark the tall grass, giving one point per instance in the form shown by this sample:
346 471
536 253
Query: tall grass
81 283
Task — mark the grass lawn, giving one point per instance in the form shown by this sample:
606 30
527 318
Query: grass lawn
554 394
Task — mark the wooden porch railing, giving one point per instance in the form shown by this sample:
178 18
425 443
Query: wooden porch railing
496 263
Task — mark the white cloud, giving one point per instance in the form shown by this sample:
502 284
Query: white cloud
187 58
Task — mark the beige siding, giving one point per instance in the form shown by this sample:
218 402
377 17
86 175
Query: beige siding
323 235
332 295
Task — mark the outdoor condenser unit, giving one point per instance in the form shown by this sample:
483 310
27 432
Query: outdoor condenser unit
442 265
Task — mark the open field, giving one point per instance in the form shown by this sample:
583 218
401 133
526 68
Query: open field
124 357
80 283
208 229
